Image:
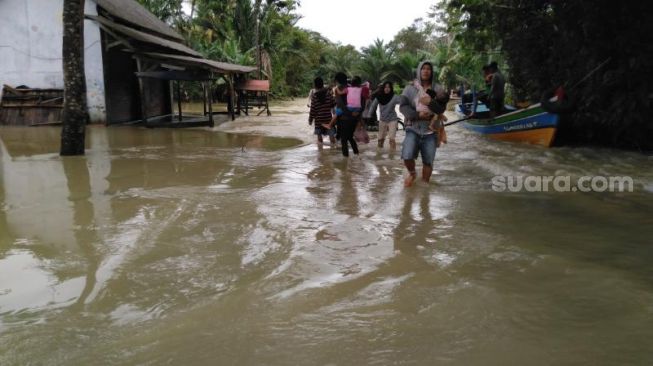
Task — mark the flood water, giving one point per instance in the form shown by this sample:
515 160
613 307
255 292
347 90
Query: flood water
197 247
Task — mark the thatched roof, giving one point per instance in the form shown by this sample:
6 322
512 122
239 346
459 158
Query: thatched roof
134 13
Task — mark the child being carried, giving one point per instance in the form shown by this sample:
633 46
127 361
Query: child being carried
437 121
353 94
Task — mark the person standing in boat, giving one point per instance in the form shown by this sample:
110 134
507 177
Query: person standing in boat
418 108
483 95
497 90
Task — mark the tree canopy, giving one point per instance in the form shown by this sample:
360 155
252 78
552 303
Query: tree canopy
538 45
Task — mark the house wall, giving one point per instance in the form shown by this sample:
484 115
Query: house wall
31 33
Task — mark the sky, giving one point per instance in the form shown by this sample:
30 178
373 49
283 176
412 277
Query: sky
372 18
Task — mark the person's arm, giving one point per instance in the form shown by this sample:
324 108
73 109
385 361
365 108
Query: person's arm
331 101
311 113
393 103
396 99
310 98
373 106
405 106
494 87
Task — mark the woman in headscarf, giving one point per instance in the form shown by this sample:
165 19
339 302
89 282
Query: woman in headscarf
386 100
320 113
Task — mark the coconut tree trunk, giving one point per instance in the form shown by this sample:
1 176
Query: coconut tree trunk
257 35
192 9
75 115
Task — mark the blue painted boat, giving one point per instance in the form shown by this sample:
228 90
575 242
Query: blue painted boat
531 125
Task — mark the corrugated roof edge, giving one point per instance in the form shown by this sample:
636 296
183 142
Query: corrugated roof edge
215 65
145 37
133 12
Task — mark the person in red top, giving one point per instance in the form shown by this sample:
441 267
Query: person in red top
365 93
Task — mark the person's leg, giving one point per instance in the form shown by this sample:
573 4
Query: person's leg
347 136
427 170
317 131
332 136
427 150
412 174
408 155
496 105
392 134
410 166
339 130
352 140
383 130
354 145
492 107
344 141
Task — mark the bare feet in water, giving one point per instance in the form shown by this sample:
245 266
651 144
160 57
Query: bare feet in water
410 179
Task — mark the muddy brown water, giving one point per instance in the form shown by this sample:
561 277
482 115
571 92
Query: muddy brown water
196 247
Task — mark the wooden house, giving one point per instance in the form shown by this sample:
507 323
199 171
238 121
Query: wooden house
133 64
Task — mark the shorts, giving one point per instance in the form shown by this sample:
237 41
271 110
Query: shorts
389 129
351 109
319 130
415 143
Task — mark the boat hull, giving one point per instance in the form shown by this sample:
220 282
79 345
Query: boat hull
532 125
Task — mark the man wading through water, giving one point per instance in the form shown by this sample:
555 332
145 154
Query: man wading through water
420 101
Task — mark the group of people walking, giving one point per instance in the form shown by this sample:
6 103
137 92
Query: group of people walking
337 113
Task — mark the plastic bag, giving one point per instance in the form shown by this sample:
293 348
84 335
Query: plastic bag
360 135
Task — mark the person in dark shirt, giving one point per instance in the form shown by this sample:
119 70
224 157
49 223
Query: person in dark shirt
320 111
496 94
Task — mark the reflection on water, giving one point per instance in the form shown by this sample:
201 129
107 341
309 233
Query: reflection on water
197 247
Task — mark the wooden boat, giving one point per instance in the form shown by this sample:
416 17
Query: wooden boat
531 125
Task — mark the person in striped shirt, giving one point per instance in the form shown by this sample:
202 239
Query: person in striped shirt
322 102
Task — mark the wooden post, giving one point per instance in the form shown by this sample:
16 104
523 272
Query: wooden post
210 91
141 91
204 96
172 98
232 95
179 98
239 102
246 98
267 102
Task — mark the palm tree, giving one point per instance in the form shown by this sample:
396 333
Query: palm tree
260 12
339 58
376 61
75 115
403 70
170 11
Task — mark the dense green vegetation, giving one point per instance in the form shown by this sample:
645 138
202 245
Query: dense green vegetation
538 44
547 43
291 57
